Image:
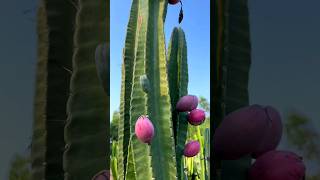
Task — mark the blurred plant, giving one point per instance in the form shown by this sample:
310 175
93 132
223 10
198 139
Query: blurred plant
198 167
204 104
114 160
20 168
302 135
114 125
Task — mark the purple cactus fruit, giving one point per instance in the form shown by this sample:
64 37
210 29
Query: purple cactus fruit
187 103
278 165
144 129
191 149
173 1
273 134
240 133
102 175
196 117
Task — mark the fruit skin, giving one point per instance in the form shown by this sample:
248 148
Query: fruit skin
240 133
278 165
144 129
191 149
273 134
196 117
102 175
173 1
187 103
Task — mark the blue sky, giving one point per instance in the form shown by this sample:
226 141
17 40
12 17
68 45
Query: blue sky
196 25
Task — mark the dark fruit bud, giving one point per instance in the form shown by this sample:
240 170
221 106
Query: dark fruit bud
240 133
273 133
278 165
102 175
173 1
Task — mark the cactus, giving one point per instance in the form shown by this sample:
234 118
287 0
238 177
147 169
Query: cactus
87 146
38 149
151 86
178 84
231 64
55 49
127 68
207 151
71 107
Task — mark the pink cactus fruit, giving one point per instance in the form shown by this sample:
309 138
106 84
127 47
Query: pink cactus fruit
196 117
278 165
144 129
191 149
187 103
273 134
102 175
240 133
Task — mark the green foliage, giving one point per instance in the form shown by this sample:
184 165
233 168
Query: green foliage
20 168
302 135
204 104
114 160
114 126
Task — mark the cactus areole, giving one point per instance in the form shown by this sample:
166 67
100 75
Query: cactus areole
191 149
144 129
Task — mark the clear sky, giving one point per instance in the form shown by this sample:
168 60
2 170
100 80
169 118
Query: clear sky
196 25
17 72
286 59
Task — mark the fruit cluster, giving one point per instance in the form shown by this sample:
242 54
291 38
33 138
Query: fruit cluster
144 129
256 130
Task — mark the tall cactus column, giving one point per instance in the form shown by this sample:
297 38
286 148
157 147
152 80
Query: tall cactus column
232 61
87 145
38 146
159 103
55 50
178 83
